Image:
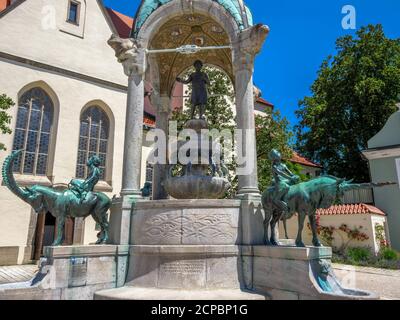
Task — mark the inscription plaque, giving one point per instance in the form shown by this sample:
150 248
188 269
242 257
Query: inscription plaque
184 267
77 272
182 274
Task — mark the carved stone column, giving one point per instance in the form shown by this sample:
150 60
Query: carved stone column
249 45
162 123
251 213
133 59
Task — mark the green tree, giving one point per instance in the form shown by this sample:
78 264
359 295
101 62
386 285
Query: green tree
352 98
273 132
5 119
219 112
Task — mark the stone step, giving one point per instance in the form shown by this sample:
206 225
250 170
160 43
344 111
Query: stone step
135 293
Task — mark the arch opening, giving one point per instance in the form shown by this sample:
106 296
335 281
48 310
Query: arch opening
35 130
94 139
189 29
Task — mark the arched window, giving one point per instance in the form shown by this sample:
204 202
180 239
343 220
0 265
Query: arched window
93 140
33 132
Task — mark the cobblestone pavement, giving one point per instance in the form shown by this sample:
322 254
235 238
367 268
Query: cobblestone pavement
384 282
13 274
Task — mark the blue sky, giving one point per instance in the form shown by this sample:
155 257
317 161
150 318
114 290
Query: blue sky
303 33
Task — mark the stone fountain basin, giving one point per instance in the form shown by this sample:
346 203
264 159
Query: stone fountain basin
196 187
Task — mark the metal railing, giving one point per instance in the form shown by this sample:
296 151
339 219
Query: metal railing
359 196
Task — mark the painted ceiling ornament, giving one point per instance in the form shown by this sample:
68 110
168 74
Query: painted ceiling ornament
236 8
217 29
177 32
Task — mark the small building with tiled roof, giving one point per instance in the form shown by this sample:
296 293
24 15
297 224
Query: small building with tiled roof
309 168
368 219
261 105
299 159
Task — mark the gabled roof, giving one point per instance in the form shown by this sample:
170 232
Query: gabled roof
351 209
122 23
4 4
297 158
264 102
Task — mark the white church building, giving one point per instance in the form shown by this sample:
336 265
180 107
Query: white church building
70 95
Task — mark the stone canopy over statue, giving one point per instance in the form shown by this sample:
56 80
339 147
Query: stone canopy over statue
199 81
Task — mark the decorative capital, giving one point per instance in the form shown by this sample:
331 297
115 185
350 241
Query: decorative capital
249 45
130 54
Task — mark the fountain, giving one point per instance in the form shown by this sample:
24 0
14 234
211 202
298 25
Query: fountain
203 180
195 246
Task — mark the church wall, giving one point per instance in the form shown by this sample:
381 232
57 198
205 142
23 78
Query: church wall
77 68
43 35
72 95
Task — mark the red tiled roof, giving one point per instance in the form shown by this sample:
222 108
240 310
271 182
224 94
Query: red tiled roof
149 122
122 23
296 158
263 101
350 209
4 4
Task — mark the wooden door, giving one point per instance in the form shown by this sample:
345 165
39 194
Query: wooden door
46 232
69 232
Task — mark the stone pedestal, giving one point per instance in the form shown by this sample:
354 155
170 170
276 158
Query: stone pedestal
291 273
72 273
212 249
185 245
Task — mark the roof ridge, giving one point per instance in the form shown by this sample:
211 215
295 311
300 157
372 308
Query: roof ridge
350 209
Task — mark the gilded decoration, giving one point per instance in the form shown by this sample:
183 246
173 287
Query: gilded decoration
196 29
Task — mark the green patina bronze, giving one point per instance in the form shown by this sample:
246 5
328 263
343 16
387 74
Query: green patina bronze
199 81
286 197
78 201
232 6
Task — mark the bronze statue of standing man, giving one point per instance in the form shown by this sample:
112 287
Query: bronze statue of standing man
199 81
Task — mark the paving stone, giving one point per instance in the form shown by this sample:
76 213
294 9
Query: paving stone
13 274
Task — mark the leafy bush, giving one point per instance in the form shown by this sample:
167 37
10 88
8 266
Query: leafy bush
5 119
359 254
363 257
388 254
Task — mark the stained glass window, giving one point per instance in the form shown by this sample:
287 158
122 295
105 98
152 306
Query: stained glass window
33 132
93 140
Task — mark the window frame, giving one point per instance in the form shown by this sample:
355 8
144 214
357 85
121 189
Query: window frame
78 11
98 140
39 133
